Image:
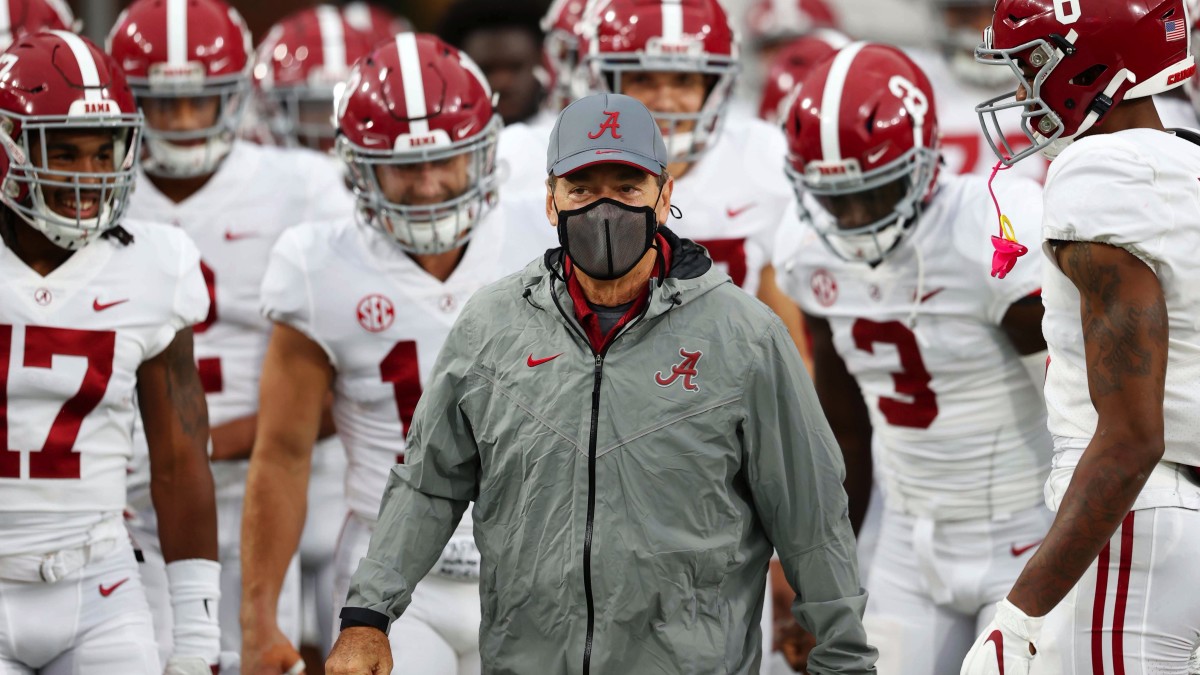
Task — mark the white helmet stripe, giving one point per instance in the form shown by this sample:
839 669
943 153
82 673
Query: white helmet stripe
5 20
333 38
831 102
88 74
414 83
672 20
177 32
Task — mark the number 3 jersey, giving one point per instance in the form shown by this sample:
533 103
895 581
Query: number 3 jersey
959 429
381 320
71 344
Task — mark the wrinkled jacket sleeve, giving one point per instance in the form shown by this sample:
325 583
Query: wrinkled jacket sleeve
795 470
427 495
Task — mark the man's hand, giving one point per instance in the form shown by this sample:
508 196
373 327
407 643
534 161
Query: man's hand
360 650
1007 646
268 652
794 643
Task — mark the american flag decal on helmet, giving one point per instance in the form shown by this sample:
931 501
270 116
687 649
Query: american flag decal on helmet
1175 29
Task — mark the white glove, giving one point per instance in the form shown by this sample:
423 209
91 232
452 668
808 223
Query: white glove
1007 646
195 588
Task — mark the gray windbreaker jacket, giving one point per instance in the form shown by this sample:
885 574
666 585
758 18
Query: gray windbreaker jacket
626 503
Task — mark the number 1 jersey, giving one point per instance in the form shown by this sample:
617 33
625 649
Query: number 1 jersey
71 344
381 320
959 427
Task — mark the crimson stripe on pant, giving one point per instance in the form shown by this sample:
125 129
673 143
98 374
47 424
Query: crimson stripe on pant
1119 603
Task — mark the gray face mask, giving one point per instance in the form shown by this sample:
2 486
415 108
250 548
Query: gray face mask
607 238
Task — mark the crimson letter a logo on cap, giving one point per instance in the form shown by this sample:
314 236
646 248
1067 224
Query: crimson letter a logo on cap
610 124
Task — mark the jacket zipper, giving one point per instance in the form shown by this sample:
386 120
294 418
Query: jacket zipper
591 514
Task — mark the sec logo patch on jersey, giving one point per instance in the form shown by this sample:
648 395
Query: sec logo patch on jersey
375 313
824 287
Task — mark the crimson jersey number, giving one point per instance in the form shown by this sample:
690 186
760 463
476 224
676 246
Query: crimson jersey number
913 379
57 458
400 369
731 253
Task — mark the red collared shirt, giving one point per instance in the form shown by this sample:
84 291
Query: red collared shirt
586 316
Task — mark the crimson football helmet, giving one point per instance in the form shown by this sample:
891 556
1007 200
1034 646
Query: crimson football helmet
789 66
57 81
374 20
301 62
862 121
771 21
173 49
416 100
1084 58
691 36
30 16
560 51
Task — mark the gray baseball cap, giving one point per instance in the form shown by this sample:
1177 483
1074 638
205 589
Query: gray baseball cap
605 128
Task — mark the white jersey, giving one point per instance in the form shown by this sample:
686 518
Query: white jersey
381 320
964 148
256 194
521 158
734 197
1136 189
70 347
959 427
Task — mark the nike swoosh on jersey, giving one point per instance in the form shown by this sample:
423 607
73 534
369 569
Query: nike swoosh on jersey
1017 551
101 306
997 638
235 236
734 213
105 592
533 363
932 293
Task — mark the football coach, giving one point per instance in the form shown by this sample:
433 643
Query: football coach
637 434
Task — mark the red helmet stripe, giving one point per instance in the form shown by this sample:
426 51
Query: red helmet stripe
672 20
414 83
831 102
88 73
177 32
333 38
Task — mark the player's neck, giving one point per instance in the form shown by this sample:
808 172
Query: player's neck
1139 113
179 189
440 265
32 247
618 291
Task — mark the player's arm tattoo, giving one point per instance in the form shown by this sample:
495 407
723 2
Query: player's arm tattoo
184 390
1124 320
1113 327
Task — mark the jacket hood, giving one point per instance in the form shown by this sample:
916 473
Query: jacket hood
690 276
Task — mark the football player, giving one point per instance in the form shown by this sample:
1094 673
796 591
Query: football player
188 63
96 319
362 305
1110 588
927 367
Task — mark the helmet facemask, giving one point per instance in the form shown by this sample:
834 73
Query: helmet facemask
684 144
913 172
31 180
301 116
426 229
174 154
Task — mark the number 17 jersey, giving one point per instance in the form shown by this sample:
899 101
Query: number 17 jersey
959 430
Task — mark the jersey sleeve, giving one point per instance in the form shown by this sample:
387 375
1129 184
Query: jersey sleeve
1105 192
328 196
189 305
286 293
1021 200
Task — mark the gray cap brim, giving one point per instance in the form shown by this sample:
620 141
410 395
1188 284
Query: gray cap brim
582 160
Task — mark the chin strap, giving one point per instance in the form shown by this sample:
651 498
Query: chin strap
1008 249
